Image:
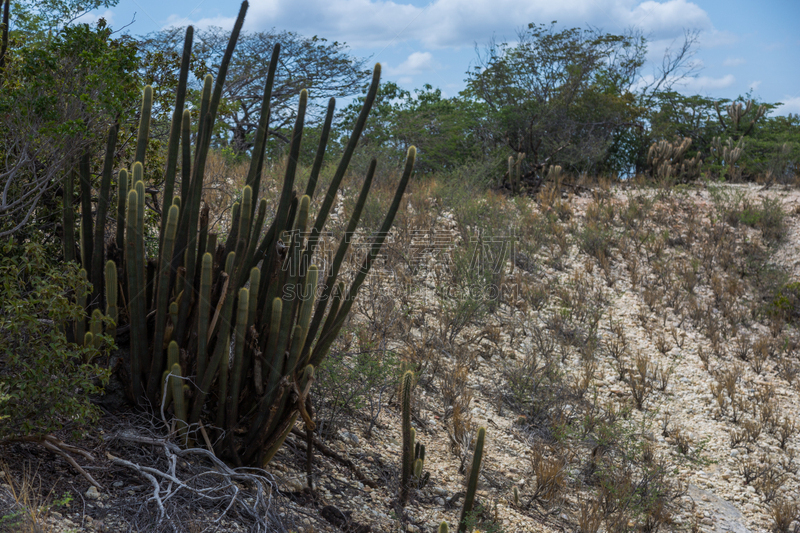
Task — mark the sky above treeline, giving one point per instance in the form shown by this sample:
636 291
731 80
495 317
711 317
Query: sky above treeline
744 46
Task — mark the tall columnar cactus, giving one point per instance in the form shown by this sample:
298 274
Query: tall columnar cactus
515 172
472 481
248 321
112 311
408 438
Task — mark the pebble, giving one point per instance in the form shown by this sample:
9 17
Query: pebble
92 493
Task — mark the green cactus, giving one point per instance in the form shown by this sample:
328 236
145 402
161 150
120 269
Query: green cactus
408 438
80 325
112 311
122 198
261 307
162 302
667 160
443 528
97 271
178 398
96 327
87 238
472 481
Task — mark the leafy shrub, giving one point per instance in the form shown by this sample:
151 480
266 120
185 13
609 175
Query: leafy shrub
45 377
351 381
786 302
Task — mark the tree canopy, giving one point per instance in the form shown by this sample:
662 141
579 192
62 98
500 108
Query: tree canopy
322 67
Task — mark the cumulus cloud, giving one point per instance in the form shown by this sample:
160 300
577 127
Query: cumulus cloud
702 84
791 104
733 62
754 85
459 23
416 63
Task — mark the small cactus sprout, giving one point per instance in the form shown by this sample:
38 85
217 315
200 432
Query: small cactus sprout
443 528
472 481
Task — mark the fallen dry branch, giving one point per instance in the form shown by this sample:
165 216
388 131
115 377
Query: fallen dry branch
247 490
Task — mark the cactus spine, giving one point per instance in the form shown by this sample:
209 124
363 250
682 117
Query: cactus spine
472 481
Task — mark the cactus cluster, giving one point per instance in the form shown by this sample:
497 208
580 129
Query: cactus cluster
515 171
413 458
667 160
738 111
227 333
728 154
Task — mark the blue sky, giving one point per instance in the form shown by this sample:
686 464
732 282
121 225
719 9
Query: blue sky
744 46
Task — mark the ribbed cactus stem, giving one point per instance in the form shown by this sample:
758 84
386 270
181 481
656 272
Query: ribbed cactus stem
144 124
162 301
204 314
407 432
96 327
178 399
112 311
238 358
80 324
122 198
443 528
472 482
271 373
100 222
135 292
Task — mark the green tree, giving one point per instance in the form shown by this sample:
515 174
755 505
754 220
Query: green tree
59 98
446 131
38 18
322 67
558 96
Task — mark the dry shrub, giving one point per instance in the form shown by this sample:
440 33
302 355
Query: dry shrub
550 474
783 514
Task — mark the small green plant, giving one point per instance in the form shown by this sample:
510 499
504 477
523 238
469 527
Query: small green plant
47 381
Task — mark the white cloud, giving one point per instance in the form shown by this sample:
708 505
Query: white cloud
92 18
416 63
733 62
702 84
459 23
754 85
791 104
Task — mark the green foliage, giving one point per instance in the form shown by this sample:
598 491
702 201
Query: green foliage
445 131
736 208
59 99
558 96
322 67
348 382
38 18
786 303
46 380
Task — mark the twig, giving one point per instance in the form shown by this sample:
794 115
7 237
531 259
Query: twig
333 455
55 449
